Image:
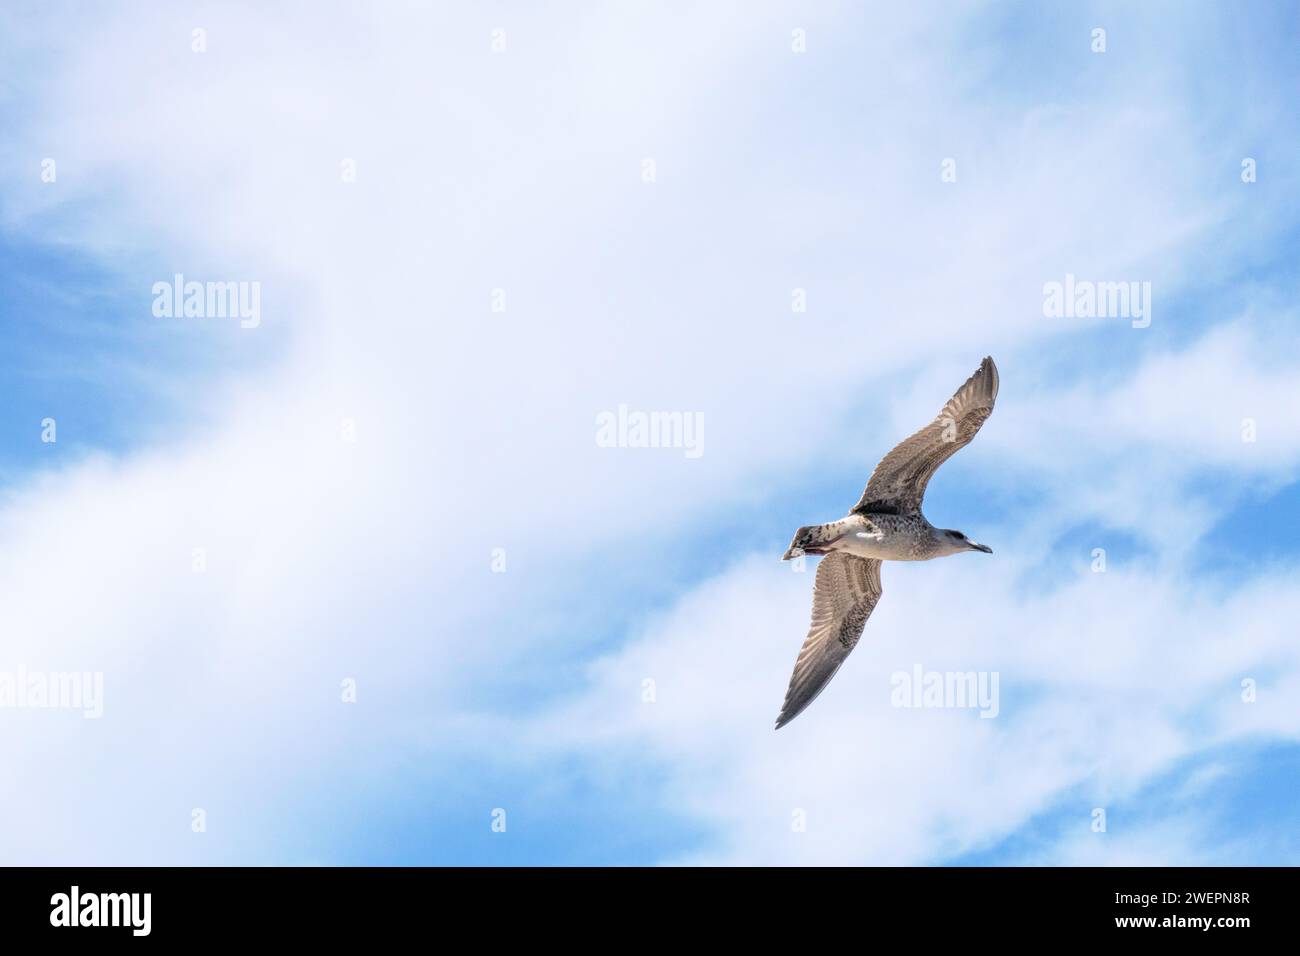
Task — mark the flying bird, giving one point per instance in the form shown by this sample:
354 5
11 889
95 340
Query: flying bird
885 525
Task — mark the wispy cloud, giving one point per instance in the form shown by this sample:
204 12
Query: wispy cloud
463 263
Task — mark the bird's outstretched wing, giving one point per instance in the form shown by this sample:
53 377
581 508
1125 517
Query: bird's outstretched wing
898 483
844 596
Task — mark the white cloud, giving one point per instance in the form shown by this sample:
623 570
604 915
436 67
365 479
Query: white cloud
1107 680
476 430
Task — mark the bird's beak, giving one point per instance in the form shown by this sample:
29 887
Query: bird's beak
976 546
792 553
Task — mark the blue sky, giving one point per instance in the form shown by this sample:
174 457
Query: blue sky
370 558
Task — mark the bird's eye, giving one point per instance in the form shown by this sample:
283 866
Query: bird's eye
958 534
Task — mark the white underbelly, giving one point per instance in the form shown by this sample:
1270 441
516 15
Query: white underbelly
886 547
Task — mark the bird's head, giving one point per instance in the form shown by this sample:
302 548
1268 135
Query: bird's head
954 541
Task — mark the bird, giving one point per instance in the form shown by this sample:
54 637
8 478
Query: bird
885 525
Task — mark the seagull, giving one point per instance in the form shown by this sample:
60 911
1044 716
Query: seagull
885 525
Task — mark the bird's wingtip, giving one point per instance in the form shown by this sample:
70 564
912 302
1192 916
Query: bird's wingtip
990 368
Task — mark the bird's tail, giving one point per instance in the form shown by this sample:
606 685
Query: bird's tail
810 539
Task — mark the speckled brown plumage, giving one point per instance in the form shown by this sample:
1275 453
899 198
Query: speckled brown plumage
900 479
885 525
844 596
